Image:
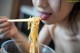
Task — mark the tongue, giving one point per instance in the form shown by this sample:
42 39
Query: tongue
45 16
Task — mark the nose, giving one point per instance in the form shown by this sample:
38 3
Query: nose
41 3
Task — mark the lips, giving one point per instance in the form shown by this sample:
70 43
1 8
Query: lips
44 15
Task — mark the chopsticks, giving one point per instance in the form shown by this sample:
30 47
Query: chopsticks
19 20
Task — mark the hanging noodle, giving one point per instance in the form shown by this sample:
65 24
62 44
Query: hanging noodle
33 34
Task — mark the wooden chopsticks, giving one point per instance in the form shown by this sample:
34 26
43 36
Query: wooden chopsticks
19 20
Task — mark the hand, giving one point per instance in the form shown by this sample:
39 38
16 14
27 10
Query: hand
7 28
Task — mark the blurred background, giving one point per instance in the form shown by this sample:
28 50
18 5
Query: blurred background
17 9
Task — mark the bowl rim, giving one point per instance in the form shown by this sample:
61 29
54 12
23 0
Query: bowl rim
2 45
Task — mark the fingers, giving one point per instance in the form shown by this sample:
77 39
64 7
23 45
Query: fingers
3 30
6 34
3 19
4 26
7 28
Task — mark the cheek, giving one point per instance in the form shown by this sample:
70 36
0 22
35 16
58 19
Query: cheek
55 5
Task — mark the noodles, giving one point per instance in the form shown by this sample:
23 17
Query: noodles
33 33
29 24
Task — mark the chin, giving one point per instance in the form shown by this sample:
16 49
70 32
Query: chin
45 22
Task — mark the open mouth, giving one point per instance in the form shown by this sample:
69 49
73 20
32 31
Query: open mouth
44 15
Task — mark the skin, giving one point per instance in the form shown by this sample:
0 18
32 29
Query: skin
65 41
55 27
56 7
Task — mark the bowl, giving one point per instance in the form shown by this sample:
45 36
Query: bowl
10 47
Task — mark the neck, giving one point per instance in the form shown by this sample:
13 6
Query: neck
63 23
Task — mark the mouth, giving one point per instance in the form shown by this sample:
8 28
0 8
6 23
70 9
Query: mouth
44 15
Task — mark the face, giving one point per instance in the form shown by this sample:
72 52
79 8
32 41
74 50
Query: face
53 11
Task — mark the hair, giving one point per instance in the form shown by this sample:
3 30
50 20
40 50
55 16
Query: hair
73 18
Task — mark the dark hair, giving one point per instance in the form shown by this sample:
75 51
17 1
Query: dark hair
72 18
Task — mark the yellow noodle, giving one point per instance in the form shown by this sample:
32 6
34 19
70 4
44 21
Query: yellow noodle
33 34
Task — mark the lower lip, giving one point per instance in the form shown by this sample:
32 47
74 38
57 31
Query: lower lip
45 16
